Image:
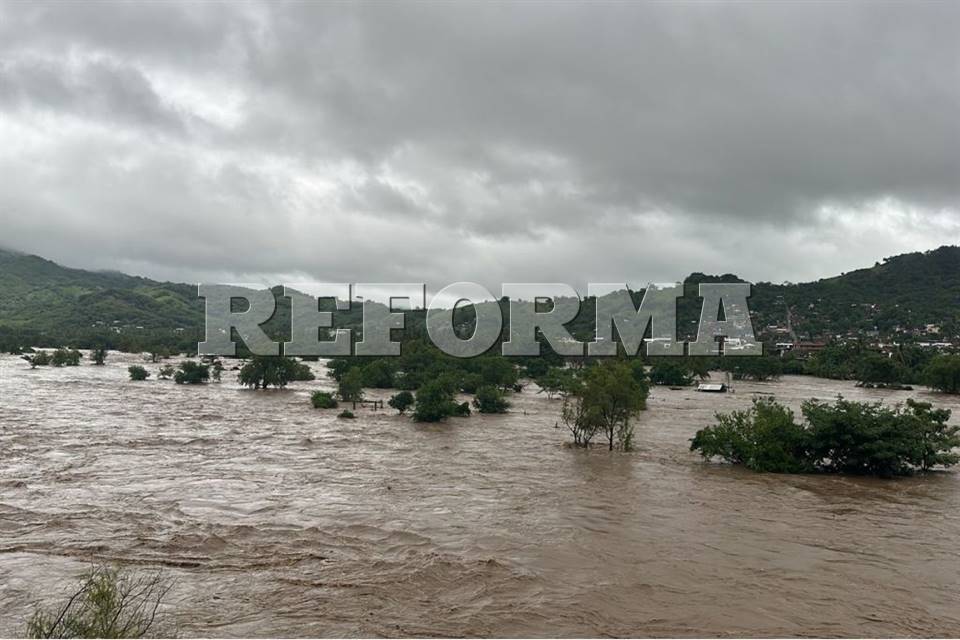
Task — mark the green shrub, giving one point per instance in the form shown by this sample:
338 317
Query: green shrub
277 371
191 372
323 400
99 356
763 438
943 373
137 372
350 388
434 402
39 359
106 604
347 414
461 410
166 372
843 437
66 358
669 373
490 400
401 401
377 374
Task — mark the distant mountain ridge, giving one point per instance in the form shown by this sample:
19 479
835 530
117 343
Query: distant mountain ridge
906 293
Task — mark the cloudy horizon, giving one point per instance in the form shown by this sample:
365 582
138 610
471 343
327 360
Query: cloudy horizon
484 142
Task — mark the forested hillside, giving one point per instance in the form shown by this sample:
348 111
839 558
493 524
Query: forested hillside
42 302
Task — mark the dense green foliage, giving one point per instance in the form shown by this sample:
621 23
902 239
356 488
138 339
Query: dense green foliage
842 437
401 401
107 604
272 371
490 400
434 401
66 358
38 359
671 372
943 373
323 400
190 372
350 388
605 398
759 368
137 372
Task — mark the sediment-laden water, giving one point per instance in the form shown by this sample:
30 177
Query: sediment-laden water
275 519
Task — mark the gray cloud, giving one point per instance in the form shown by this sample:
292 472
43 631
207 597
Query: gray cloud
484 141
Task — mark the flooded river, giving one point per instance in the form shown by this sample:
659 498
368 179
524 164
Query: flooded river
275 519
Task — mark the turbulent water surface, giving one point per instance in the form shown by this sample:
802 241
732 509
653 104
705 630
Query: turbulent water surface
275 519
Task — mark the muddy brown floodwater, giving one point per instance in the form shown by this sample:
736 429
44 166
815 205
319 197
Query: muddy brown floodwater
275 519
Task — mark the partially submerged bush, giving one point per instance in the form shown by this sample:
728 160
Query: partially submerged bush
66 358
276 371
323 400
763 438
39 359
490 400
191 372
401 401
434 402
166 372
943 373
346 413
107 604
844 437
137 372
605 399
669 373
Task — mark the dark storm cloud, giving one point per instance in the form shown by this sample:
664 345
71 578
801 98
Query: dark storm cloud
485 141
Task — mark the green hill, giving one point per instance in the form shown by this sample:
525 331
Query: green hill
42 302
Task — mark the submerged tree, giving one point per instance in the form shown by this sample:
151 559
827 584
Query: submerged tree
191 372
350 387
842 437
401 401
605 400
277 371
490 399
943 373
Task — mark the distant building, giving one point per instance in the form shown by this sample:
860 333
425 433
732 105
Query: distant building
810 346
712 387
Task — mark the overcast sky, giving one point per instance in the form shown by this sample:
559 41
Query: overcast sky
489 142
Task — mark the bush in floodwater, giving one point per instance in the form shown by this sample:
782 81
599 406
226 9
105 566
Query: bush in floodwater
276 371
323 400
843 437
138 373
107 604
764 437
66 358
166 372
434 401
39 359
99 356
401 401
490 400
191 372
346 413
